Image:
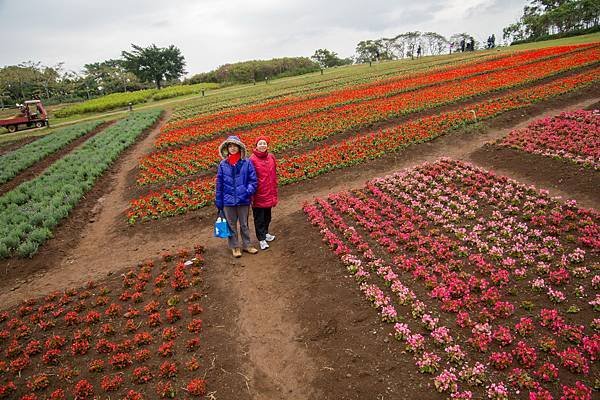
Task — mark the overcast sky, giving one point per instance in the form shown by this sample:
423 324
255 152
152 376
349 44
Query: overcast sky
211 33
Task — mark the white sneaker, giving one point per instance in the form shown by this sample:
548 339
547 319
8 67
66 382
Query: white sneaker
263 245
269 237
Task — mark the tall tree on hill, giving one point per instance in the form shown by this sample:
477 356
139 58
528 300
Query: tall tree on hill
368 50
458 37
326 58
412 40
154 64
436 43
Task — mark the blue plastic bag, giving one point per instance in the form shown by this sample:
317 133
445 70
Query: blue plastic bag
221 227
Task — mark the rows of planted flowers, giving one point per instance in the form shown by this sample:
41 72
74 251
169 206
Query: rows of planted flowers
491 287
574 136
29 213
16 161
187 160
209 125
200 192
133 337
234 100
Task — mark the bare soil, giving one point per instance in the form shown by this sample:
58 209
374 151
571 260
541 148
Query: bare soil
560 175
285 323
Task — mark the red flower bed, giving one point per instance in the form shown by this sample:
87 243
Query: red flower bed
101 343
188 160
200 192
206 126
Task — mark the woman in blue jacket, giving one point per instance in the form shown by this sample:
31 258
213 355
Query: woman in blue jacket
236 183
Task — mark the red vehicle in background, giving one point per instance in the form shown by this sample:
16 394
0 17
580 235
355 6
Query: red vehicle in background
32 114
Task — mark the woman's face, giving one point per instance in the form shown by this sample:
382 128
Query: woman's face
233 148
262 146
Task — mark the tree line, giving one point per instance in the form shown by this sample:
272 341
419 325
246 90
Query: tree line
256 71
142 68
139 68
412 44
546 19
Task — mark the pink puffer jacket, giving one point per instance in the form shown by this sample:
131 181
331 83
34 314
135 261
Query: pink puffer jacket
266 172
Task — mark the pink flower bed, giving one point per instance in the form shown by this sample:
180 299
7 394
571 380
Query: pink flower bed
571 135
491 286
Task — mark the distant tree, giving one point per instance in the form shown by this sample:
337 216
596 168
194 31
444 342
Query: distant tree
387 48
326 58
28 79
546 17
368 50
513 32
154 64
412 41
399 46
111 75
436 43
458 37
256 70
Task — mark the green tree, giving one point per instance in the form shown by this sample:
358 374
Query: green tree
545 17
368 50
412 41
29 79
326 58
111 75
513 32
257 70
154 64
436 43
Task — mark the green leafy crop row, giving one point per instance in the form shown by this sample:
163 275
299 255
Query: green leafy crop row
16 161
30 212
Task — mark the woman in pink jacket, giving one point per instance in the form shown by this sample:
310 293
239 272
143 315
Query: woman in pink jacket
265 196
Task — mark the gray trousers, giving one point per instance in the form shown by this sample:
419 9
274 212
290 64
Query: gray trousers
233 215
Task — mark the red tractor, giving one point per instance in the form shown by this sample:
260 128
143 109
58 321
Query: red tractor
28 116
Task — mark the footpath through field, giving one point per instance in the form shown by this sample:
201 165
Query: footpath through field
262 291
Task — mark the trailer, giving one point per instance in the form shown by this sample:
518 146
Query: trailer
32 114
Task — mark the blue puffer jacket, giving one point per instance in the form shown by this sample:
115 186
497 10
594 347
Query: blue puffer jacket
235 184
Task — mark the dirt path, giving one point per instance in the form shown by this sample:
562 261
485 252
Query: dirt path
263 291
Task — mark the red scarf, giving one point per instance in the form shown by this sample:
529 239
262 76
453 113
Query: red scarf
260 154
232 159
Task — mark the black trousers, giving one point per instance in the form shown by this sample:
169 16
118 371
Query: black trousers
262 219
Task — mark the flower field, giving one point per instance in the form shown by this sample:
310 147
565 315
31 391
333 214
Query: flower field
574 136
449 278
492 287
354 150
133 337
205 126
191 159
258 95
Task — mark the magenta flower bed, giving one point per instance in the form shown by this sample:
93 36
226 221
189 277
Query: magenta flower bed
574 136
491 286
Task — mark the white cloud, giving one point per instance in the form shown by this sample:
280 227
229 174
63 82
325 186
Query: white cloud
212 32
